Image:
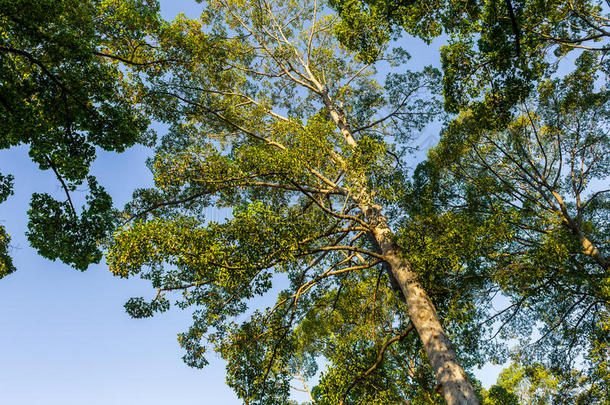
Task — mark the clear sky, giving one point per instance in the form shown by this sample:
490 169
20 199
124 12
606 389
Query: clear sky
64 335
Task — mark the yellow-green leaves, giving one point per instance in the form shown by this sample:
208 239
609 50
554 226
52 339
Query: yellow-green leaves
6 263
292 137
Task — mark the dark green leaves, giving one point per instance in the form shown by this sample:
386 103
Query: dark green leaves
58 232
64 94
6 263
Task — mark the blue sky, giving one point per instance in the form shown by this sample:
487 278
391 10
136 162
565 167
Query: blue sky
65 337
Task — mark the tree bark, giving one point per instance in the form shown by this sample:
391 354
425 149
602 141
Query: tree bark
588 247
454 384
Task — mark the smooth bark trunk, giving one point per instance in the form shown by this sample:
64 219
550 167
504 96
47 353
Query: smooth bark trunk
452 380
588 246
590 249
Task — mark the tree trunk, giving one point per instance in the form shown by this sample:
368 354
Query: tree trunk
453 381
590 249
588 246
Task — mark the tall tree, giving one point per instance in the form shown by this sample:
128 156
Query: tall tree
63 93
547 175
271 117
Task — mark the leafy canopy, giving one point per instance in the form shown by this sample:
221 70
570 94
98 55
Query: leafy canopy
64 93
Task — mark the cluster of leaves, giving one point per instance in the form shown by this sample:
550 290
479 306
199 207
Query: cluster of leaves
6 263
64 94
494 46
536 384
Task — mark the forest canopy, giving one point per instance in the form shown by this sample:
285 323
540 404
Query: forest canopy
341 264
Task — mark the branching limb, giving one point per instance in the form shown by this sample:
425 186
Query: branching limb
379 359
63 184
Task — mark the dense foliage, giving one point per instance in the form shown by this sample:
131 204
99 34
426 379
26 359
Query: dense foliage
271 118
529 147
63 93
